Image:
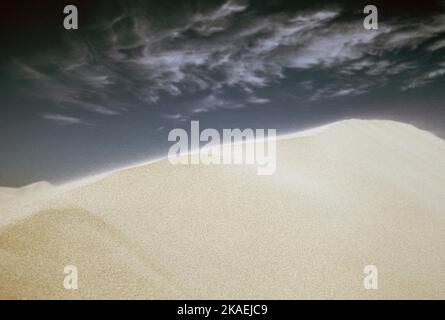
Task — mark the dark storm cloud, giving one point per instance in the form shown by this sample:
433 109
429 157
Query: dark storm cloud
134 59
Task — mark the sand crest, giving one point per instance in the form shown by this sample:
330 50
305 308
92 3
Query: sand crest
352 194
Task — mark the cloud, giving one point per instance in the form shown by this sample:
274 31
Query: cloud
335 91
257 100
137 58
63 120
412 34
437 45
81 91
217 20
175 117
214 102
425 78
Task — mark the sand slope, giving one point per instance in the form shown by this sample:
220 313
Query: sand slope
12 193
352 194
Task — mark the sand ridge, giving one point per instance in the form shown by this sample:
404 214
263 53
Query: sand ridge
350 194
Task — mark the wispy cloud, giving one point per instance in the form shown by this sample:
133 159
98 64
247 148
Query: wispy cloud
214 102
137 59
216 20
425 78
176 117
257 100
412 34
437 45
336 91
64 120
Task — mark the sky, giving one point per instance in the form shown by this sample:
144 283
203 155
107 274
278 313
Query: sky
78 102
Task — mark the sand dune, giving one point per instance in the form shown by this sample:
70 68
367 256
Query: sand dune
32 188
15 201
354 193
12 196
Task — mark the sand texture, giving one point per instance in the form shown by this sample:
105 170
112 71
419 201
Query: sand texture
351 194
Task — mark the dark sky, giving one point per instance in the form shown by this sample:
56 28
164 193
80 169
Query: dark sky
76 102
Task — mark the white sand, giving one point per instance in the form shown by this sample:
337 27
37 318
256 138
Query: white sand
353 194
